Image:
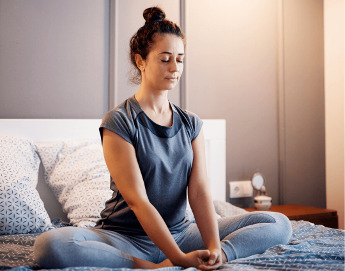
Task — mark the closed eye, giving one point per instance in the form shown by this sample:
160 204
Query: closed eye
165 61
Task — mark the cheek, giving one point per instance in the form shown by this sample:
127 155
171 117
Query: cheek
154 70
181 69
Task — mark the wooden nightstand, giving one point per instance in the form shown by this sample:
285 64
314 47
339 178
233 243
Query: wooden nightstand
318 216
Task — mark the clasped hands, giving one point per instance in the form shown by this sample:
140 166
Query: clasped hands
204 259
200 259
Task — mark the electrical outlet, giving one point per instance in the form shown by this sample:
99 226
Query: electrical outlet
241 189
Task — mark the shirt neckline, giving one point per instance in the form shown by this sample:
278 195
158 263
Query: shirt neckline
158 130
140 110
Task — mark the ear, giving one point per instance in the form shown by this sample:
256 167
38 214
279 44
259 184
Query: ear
140 62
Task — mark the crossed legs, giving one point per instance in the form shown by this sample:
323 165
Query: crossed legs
241 236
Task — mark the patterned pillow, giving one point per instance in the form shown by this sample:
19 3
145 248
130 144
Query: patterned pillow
79 178
21 208
227 209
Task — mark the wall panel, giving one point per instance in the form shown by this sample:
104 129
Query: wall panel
54 58
231 73
304 103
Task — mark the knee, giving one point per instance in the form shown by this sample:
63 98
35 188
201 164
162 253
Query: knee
43 249
48 248
283 227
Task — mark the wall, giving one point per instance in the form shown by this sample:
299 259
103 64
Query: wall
334 13
252 63
54 58
303 103
231 66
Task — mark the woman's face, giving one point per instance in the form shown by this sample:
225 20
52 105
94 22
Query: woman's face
163 66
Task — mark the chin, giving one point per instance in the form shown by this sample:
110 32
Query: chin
165 87
171 85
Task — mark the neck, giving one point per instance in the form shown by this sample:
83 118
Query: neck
153 101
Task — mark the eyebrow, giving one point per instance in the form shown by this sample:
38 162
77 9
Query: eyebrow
180 54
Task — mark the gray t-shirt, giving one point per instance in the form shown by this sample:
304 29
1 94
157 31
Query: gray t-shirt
165 158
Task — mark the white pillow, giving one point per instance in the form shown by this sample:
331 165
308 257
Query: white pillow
21 208
227 209
79 178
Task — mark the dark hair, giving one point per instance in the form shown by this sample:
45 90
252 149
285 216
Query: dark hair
142 41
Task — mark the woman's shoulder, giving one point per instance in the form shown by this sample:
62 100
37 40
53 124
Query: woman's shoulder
125 110
182 112
191 121
121 119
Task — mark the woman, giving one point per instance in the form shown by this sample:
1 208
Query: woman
155 151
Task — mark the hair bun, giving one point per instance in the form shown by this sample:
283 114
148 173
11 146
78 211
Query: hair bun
153 14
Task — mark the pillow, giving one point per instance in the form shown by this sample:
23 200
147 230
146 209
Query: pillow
227 209
79 178
222 208
21 208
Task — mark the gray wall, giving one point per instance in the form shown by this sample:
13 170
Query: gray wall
259 65
304 180
231 73
54 58
256 63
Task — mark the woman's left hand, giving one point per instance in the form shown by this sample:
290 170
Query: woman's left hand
215 259
212 262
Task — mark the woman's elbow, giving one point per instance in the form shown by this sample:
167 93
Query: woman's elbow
138 204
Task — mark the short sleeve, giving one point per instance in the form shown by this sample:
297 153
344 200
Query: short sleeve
196 124
118 122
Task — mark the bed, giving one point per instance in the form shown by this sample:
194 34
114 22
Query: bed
36 196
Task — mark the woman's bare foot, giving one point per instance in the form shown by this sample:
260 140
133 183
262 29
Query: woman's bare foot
143 264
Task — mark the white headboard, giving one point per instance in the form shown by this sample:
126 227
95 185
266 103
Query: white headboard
45 130
215 148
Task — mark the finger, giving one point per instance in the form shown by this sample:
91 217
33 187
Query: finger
212 259
204 255
207 267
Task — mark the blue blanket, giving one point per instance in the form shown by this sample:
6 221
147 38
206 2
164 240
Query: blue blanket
311 247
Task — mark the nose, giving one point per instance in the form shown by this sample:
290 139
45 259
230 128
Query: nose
174 67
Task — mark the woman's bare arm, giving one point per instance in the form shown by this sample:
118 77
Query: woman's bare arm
201 201
121 161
